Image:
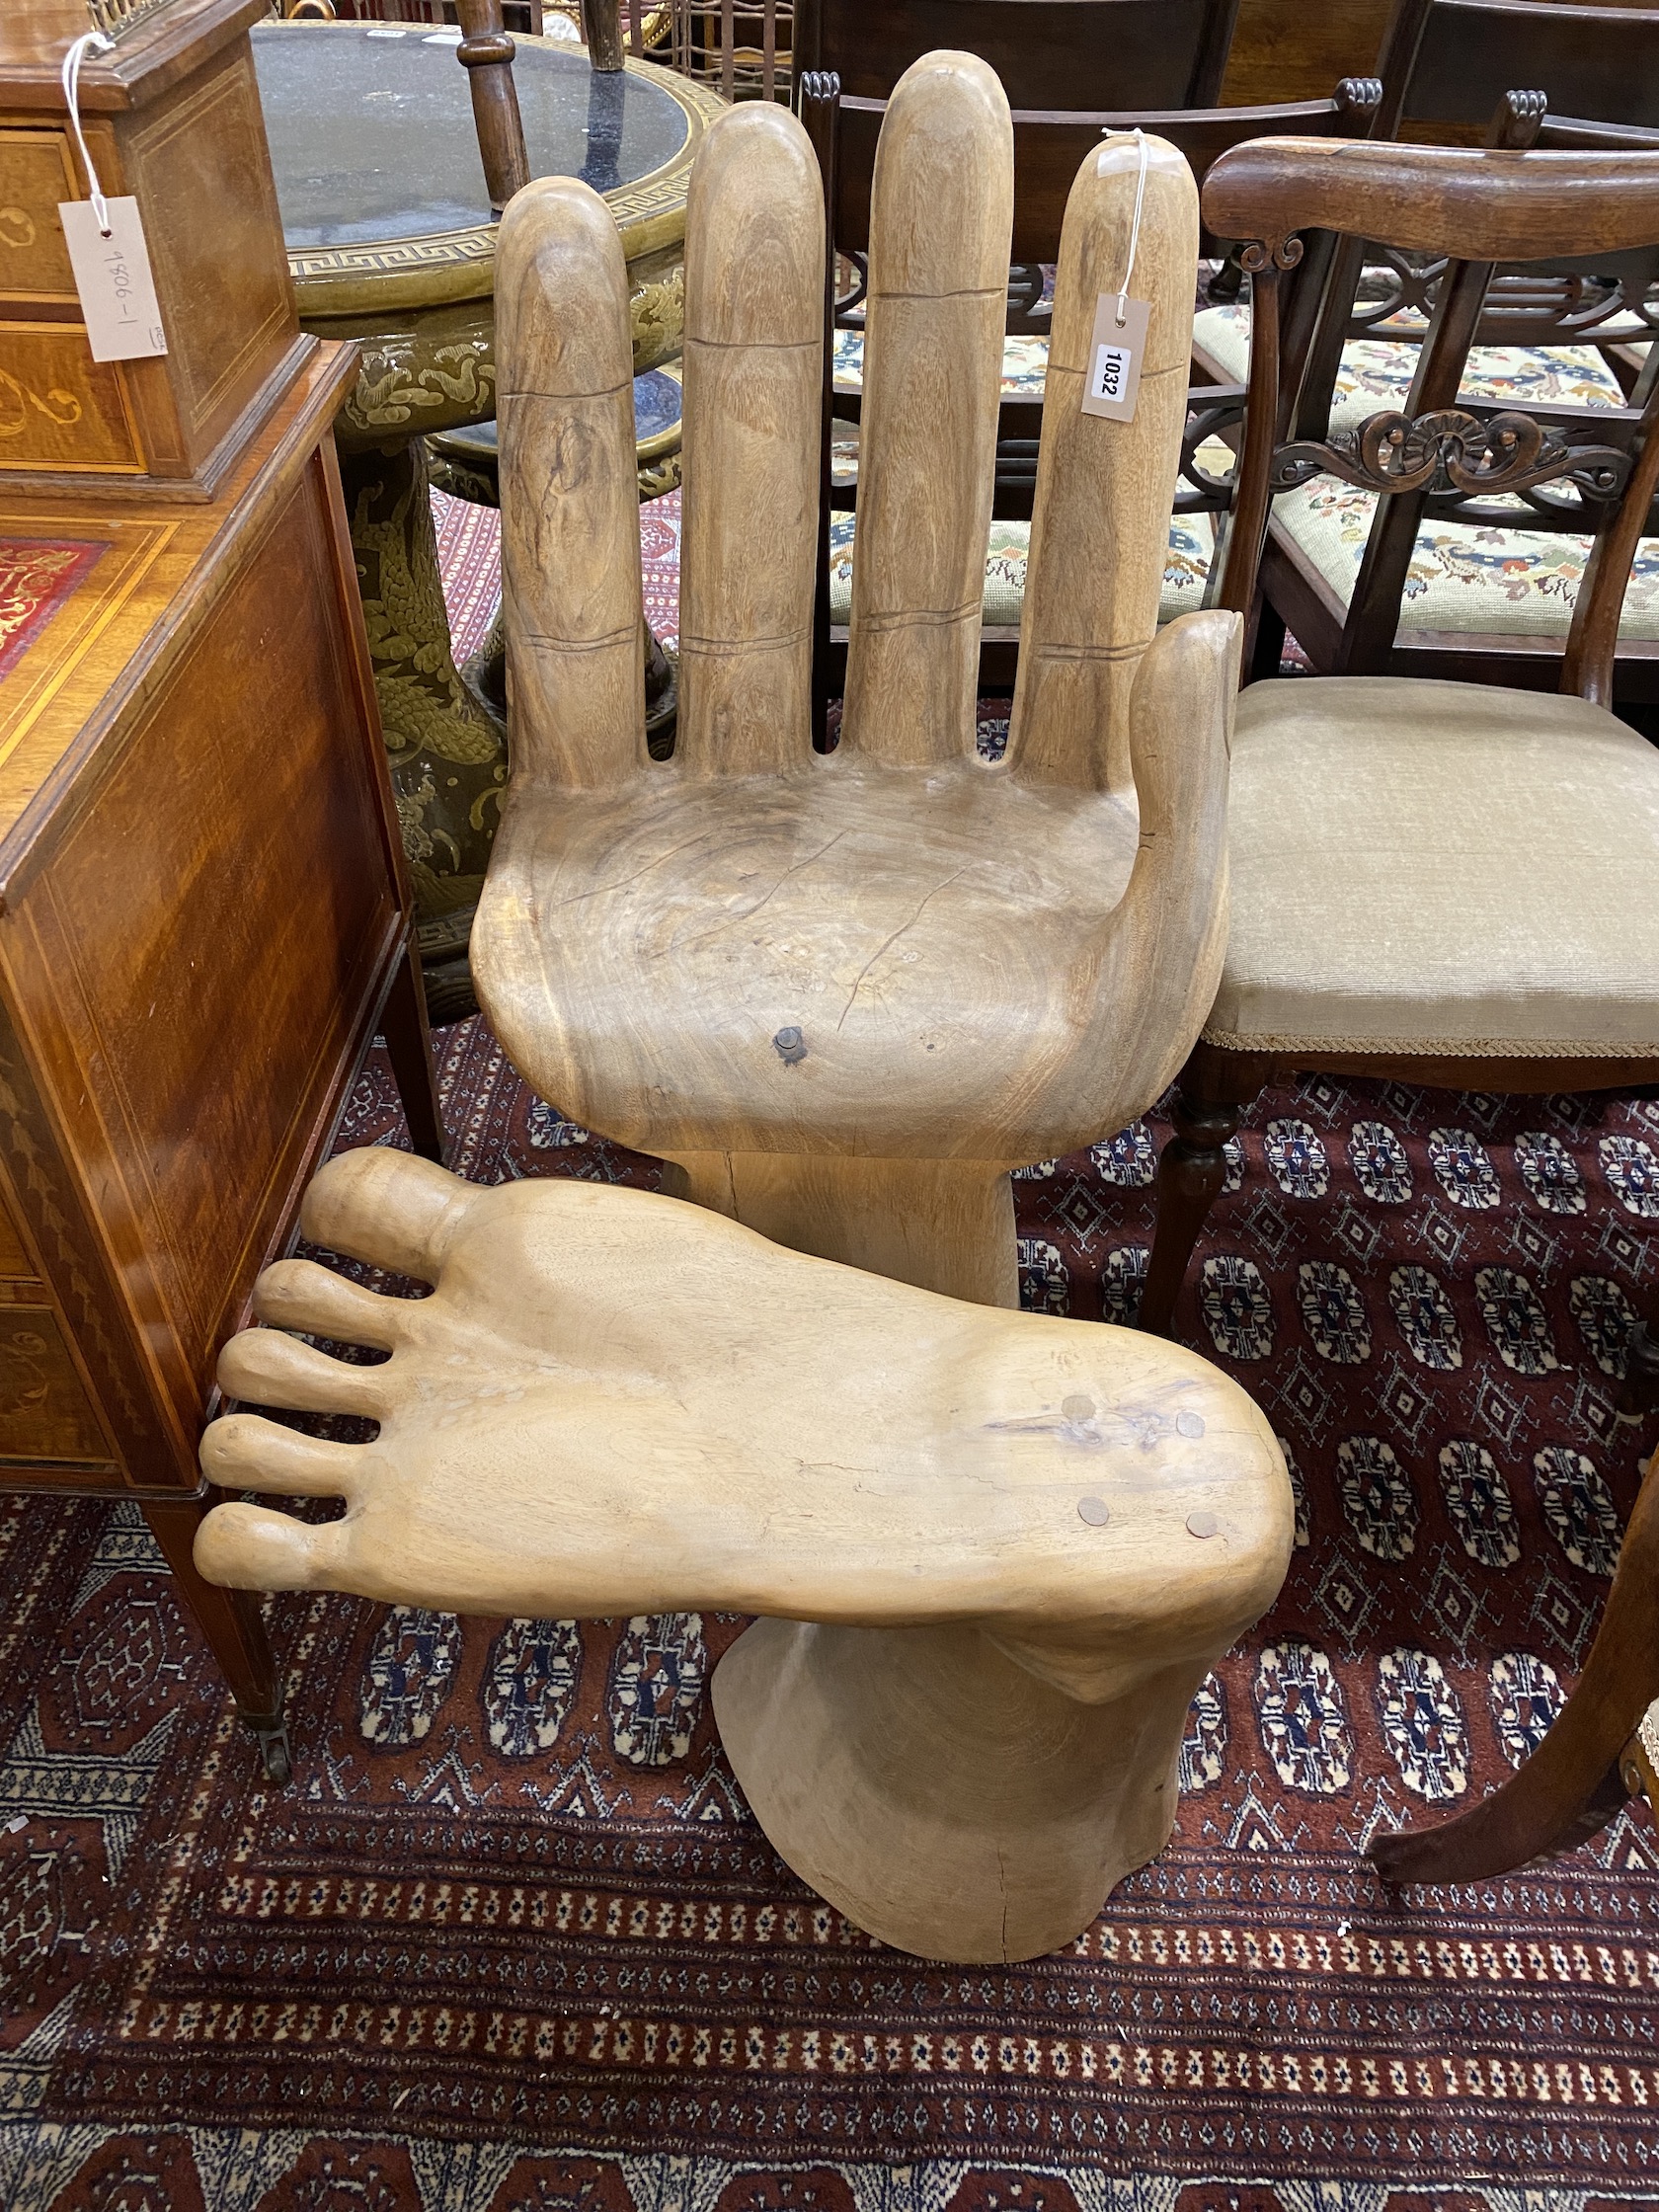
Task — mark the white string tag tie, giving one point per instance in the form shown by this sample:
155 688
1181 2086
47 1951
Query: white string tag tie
108 250
1118 344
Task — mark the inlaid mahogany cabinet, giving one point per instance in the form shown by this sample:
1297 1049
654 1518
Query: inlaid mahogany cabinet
205 908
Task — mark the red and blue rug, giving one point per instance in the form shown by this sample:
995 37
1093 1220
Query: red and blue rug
512 1942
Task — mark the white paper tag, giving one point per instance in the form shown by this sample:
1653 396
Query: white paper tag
112 277
1115 354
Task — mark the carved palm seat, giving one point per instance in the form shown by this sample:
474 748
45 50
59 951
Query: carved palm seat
993 1553
845 994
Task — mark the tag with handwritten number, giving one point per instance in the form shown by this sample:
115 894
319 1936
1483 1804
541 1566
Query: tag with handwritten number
112 277
1115 355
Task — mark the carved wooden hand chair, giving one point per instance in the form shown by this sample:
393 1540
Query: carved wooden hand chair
1487 585
845 994
1047 147
993 1553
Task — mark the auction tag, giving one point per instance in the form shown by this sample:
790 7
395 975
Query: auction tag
112 277
1114 359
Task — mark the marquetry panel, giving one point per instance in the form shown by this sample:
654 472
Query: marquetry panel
14 1264
222 284
46 1415
58 407
249 775
34 176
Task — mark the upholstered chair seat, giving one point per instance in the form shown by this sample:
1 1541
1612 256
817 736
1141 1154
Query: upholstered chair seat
1356 801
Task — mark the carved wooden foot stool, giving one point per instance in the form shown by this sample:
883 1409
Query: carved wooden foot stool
993 1553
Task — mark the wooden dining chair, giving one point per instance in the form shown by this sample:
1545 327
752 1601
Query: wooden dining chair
1369 589
844 994
1444 882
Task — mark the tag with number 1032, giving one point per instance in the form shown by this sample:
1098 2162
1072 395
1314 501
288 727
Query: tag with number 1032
1112 379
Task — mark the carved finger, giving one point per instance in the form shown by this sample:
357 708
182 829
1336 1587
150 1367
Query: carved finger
248 1548
571 594
300 1295
246 1451
754 376
266 1366
1100 521
1162 961
941 217
386 1207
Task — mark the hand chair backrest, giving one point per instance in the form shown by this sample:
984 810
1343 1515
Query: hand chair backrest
1049 147
1048 54
1441 457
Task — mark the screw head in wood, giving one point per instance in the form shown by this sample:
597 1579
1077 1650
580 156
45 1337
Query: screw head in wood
790 1047
1203 1524
1095 1510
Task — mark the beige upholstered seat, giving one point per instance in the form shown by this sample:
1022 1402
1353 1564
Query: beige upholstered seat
1428 867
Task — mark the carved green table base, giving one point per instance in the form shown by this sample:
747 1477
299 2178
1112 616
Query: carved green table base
447 749
391 242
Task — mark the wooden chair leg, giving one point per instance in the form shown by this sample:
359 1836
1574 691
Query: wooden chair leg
231 1620
409 1044
1572 1784
1638 1393
1210 1101
1267 651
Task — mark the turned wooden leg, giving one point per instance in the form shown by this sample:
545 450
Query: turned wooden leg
946 1225
1213 1090
939 1795
408 1047
1572 1784
231 1620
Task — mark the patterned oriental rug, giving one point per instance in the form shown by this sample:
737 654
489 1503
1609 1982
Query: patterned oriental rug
511 1943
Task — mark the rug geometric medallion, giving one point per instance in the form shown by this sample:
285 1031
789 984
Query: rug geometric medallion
511 1941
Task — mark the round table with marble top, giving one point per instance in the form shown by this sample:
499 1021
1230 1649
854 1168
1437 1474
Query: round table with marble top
391 242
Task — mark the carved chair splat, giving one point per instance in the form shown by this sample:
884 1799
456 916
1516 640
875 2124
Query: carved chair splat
845 994
1444 65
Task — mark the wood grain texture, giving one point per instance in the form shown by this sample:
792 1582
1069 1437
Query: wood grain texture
179 127
1091 597
486 53
1284 49
979 968
942 210
1468 201
1048 54
960 1714
754 369
943 1224
571 592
